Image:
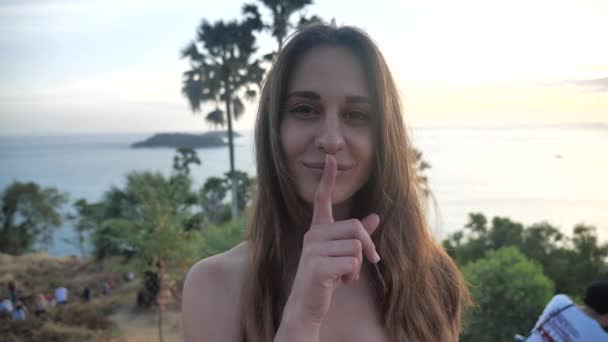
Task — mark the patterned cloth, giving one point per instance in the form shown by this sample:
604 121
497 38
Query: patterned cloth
569 325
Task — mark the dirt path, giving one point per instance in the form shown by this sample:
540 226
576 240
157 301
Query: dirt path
143 327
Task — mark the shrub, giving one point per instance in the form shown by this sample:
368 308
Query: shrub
509 291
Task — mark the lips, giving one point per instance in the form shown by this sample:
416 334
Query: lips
321 166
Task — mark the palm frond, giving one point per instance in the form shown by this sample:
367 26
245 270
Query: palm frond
216 118
238 108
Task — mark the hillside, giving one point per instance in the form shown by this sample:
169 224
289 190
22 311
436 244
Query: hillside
176 140
107 317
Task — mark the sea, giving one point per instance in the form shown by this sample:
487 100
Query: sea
556 174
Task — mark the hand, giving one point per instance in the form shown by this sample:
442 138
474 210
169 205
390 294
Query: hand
332 254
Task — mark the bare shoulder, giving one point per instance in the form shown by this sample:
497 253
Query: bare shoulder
212 294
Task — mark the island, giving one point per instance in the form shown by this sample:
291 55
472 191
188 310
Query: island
176 140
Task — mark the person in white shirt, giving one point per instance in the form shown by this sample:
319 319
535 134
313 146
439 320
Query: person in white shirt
563 320
61 295
6 306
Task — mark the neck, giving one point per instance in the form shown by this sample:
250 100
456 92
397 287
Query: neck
592 314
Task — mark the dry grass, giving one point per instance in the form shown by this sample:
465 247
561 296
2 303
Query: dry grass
77 321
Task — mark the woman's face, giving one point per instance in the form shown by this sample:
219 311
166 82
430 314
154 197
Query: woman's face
328 110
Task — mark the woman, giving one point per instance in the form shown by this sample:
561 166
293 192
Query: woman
338 247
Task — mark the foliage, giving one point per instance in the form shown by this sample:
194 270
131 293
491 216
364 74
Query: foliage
86 218
148 218
570 262
221 68
244 186
282 11
211 196
219 239
213 193
420 165
29 214
184 157
509 290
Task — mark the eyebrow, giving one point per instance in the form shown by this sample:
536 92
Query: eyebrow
307 94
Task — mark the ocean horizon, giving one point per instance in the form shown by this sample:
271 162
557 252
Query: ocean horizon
529 173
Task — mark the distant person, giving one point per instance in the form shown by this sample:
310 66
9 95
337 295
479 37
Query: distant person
563 321
41 305
20 313
86 294
106 288
6 306
12 290
50 299
61 295
129 276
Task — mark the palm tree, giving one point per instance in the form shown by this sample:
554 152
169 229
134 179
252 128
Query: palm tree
221 69
281 11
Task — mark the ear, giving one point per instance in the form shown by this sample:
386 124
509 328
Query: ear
603 320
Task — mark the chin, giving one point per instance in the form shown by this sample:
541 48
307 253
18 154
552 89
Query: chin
307 193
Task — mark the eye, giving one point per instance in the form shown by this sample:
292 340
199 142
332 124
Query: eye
303 111
357 116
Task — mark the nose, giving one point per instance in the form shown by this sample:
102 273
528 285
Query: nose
330 138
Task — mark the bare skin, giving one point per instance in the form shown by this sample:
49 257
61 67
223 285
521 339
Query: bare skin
329 302
327 138
212 298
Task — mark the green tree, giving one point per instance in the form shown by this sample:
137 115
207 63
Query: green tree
145 222
470 243
477 238
213 193
221 238
222 67
571 262
589 257
505 233
510 292
110 238
29 214
546 245
159 237
184 157
211 196
86 220
244 185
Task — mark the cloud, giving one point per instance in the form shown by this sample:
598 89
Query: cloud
27 17
598 85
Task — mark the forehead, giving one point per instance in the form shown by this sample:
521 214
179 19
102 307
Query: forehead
330 71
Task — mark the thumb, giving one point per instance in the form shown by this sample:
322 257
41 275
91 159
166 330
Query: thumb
370 223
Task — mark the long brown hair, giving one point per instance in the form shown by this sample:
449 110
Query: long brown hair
425 291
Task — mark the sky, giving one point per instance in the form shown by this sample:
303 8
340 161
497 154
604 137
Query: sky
92 66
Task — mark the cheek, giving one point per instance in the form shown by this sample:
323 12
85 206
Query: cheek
293 139
364 150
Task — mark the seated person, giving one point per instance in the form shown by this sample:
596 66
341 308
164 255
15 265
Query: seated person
61 295
562 320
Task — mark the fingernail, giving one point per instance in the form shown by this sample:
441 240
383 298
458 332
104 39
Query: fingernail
376 257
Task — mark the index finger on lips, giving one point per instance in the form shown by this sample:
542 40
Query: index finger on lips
322 212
